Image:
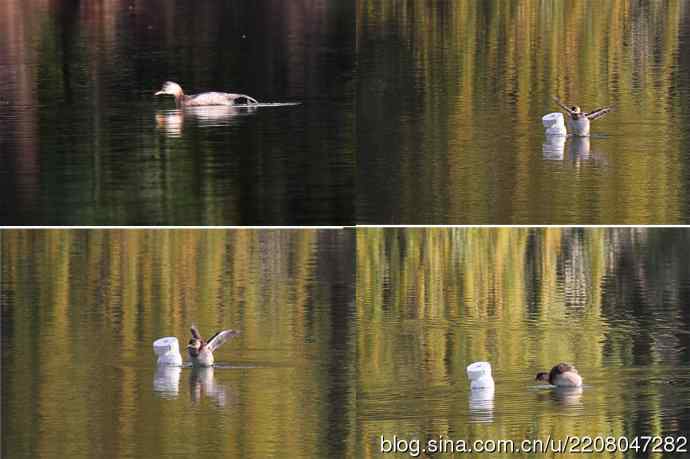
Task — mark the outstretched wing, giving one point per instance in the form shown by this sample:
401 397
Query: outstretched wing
195 333
563 106
219 338
598 113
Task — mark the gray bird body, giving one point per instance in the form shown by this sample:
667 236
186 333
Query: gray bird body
202 357
579 126
201 352
579 121
217 98
204 99
562 375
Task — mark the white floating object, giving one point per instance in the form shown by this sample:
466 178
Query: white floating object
480 376
168 351
554 124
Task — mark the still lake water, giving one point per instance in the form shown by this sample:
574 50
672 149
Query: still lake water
334 354
615 303
83 141
450 96
80 310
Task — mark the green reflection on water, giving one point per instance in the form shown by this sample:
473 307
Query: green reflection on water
80 310
451 94
85 142
431 301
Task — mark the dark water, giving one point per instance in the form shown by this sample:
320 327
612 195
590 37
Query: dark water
84 142
80 310
615 303
450 96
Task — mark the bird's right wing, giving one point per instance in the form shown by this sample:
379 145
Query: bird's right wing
598 113
563 106
219 338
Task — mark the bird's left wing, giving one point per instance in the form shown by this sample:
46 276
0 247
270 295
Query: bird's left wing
563 106
598 113
195 333
219 338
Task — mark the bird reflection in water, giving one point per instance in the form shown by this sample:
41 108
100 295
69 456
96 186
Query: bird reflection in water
578 150
171 122
203 384
566 397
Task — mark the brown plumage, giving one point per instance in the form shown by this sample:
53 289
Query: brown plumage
200 351
562 375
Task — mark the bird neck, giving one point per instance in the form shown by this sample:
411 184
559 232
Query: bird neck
180 99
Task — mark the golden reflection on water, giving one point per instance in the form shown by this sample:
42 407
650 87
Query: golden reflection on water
452 94
432 301
81 309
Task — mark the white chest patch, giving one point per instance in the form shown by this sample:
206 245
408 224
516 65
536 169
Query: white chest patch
205 358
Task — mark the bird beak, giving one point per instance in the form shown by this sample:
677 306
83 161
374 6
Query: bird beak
159 93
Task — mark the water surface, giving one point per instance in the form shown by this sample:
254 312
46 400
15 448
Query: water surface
83 141
450 97
80 311
615 303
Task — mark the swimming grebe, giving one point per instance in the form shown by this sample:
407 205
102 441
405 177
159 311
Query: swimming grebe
203 99
562 375
201 352
578 121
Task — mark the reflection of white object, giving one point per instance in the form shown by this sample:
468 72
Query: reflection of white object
482 404
166 381
168 351
554 124
480 376
553 147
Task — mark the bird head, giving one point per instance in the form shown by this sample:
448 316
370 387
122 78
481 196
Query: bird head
541 376
171 88
194 345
